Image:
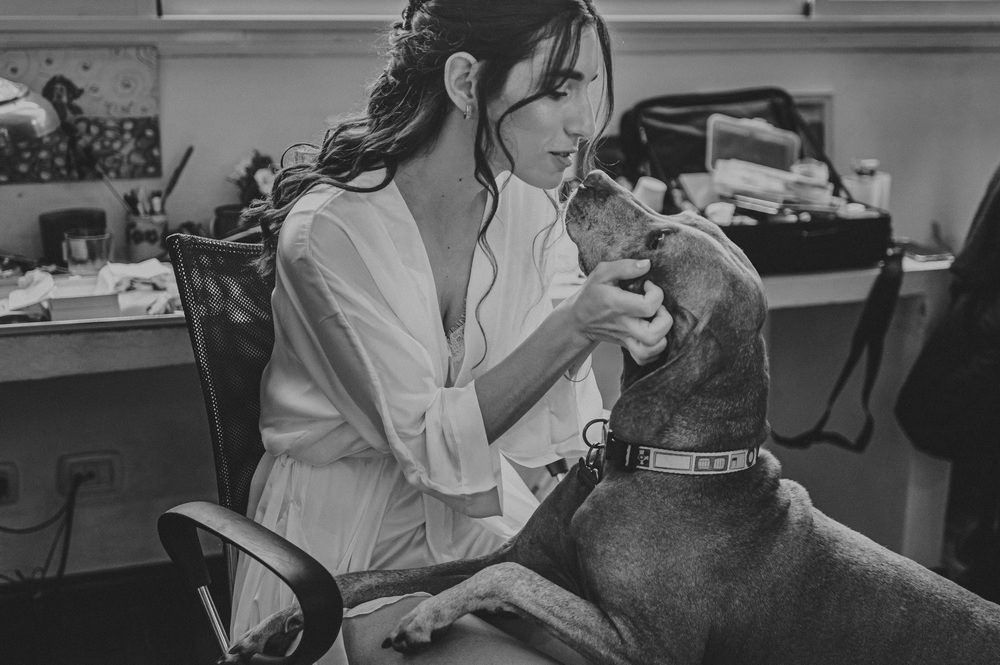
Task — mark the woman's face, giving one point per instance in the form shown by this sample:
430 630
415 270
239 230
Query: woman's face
543 136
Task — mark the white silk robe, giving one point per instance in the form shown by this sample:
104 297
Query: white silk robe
376 457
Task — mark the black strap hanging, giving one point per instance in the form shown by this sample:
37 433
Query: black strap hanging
869 335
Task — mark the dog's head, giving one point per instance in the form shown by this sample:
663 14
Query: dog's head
715 360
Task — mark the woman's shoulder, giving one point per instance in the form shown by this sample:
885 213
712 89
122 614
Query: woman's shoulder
328 197
327 209
320 201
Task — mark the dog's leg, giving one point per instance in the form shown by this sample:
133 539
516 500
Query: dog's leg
270 637
543 545
273 635
510 587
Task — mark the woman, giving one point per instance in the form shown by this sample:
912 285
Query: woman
416 351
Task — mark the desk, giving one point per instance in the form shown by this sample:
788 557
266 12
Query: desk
49 349
125 386
66 348
920 278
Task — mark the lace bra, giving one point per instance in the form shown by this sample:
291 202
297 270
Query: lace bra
456 347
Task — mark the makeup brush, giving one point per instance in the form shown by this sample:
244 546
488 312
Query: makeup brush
175 175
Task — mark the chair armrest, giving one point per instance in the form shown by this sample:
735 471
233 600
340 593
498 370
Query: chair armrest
313 585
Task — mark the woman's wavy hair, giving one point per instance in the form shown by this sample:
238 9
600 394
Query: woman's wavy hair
407 103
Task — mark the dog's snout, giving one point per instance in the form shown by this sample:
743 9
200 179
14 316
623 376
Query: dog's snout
598 179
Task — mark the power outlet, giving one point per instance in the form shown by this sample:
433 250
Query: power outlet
9 486
102 470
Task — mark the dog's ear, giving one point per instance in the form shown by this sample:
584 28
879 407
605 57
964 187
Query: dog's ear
653 394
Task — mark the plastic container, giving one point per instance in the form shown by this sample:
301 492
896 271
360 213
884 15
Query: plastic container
751 140
869 185
145 235
650 191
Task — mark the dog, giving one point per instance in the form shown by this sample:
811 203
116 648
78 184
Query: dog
682 543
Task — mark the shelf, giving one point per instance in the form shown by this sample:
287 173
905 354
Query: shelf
268 35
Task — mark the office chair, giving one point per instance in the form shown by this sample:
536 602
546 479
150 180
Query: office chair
227 304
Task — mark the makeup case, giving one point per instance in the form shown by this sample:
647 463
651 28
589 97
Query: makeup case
681 139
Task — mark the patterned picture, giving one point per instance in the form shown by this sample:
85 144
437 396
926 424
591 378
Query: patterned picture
108 103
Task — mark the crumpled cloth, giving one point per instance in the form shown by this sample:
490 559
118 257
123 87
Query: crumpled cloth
151 274
33 287
37 286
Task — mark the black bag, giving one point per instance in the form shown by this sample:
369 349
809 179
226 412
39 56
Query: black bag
667 136
949 405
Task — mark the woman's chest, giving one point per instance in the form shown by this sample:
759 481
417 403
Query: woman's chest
451 260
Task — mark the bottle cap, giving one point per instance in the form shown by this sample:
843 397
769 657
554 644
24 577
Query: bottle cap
650 191
866 166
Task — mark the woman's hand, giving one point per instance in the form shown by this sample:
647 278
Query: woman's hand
603 312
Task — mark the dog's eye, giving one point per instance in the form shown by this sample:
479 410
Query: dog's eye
654 239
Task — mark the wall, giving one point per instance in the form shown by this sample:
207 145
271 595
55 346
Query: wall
154 419
928 114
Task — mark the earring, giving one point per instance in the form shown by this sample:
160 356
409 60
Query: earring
468 111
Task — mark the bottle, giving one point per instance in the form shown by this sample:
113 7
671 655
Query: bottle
650 191
868 185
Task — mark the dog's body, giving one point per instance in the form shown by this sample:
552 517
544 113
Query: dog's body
646 567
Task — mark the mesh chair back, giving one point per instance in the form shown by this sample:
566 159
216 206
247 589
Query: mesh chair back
227 304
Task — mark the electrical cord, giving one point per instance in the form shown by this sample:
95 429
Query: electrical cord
63 534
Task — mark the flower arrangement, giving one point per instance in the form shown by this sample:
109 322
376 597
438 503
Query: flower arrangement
253 176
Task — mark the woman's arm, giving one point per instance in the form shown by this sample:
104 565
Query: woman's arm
599 311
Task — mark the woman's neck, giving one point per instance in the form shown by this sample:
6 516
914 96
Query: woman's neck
440 182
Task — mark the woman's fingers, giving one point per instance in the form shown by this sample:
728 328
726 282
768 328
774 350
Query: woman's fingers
610 272
652 297
642 306
642 354
636 321
650 338
654 330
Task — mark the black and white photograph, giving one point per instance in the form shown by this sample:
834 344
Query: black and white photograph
510 332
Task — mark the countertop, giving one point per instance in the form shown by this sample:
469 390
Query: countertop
31 351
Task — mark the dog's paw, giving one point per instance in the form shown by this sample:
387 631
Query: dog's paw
417 629
271 637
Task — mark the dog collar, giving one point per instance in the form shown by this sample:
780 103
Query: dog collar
633 456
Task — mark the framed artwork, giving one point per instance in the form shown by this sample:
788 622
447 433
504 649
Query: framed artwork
107 99
817 111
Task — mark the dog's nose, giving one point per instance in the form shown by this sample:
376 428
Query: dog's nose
598 179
